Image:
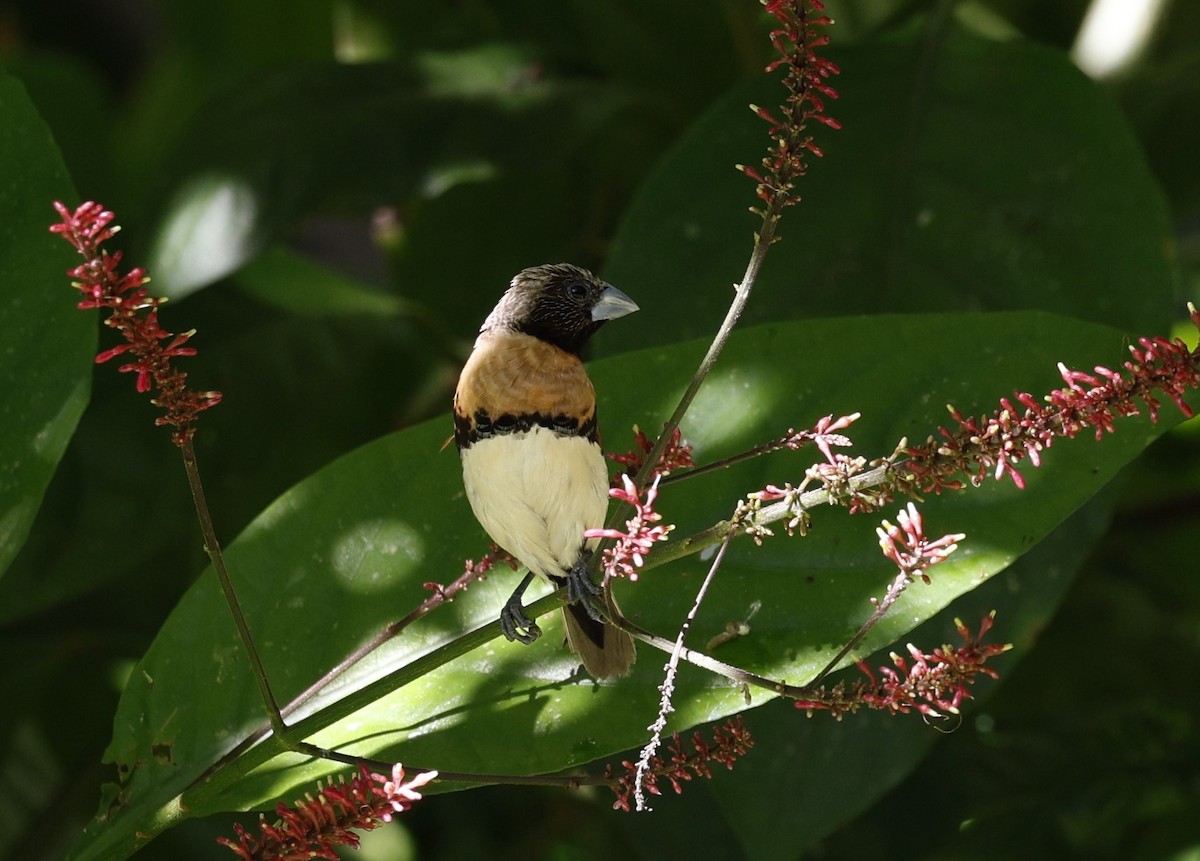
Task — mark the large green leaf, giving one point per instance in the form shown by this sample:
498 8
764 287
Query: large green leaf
816 774
347 551
45 369
827 772
969 174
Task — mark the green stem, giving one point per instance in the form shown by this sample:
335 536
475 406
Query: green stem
762 243
765 516
213 548
723 463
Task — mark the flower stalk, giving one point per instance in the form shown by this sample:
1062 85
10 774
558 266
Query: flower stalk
313 826
933 684
133 312
806 79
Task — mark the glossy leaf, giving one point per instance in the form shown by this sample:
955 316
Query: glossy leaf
824 772
969 174
348 550
959 180
45 364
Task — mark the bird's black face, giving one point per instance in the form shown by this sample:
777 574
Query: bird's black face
561 304
561 309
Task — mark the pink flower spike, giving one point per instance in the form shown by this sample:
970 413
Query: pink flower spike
628 554
730 741
994 445
677 454
399 794
906 546
933 684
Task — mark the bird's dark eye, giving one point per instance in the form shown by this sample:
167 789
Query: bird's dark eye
577 290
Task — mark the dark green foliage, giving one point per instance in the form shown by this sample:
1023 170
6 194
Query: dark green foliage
336 232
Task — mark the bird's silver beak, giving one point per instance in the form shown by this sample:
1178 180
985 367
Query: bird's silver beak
612 304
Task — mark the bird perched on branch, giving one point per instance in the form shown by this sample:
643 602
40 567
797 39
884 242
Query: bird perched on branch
525 427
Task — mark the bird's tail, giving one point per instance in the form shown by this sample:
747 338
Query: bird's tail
605 649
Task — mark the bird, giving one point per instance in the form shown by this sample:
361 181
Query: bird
526 433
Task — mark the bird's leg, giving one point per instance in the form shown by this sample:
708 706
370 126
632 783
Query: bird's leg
514 624
580 588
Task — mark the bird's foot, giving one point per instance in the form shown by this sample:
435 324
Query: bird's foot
515 625
581 590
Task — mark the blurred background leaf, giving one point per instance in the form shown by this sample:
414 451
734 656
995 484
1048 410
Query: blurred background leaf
385 169
45 362
970 174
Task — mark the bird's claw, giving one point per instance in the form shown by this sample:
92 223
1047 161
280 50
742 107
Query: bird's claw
515 625
581 590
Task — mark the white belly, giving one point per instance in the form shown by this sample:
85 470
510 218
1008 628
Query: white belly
535 492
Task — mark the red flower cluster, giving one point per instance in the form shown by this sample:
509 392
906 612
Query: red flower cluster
806 79
311 828
996 443
934 684
134 313
730 741
677 455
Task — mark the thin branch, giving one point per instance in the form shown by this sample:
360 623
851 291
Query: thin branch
742 678
785 509
442 595
668 686
762 243
568 781
213 548
723 463
894 591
